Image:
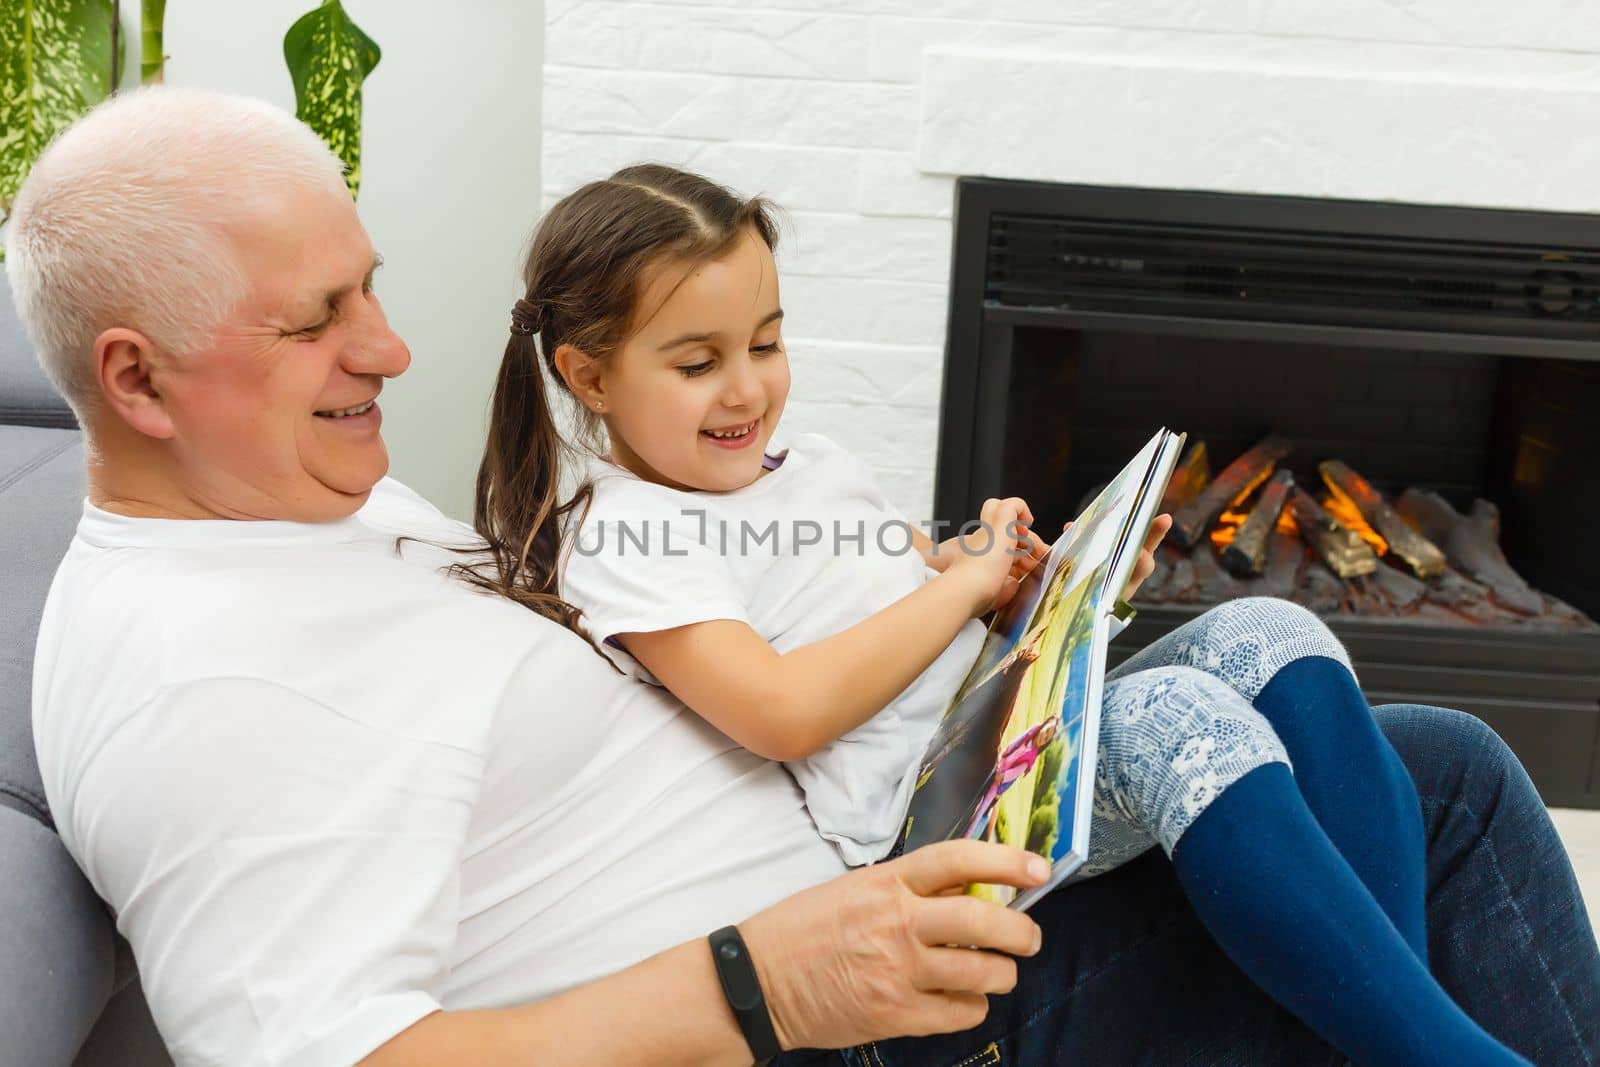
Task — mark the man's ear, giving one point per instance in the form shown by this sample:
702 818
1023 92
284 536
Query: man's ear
124 362
581 372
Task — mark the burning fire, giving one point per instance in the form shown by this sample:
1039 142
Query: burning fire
1229 521
1227 528
1345 511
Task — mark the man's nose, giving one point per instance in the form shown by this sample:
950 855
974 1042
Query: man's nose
377 349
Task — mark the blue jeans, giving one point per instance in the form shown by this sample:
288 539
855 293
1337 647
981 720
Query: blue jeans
1128 975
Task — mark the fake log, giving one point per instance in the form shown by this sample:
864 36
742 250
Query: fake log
1320 589
1420 554
1158 588
1286 553
1346 555
1215 584
1462 595
1399 592
1246 554
1472 545
1156 584
1184 585
1193 520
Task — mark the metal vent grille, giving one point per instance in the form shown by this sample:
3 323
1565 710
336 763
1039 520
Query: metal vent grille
1277 275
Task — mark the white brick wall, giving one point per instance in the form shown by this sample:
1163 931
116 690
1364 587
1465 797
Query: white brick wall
855 115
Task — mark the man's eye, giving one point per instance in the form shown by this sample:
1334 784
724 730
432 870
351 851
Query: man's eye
694 370
312 331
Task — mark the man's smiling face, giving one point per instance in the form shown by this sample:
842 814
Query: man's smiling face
277 417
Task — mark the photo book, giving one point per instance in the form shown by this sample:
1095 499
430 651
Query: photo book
1013 759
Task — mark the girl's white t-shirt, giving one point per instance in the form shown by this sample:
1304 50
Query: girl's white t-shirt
801 554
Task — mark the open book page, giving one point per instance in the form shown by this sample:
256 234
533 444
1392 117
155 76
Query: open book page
1013 759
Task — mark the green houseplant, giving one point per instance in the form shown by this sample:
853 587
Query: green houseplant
59 58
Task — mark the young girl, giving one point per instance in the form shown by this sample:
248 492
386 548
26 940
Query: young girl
766 581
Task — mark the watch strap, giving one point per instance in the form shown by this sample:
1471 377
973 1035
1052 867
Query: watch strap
737 973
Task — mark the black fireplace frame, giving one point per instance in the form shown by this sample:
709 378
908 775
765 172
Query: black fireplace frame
1541 691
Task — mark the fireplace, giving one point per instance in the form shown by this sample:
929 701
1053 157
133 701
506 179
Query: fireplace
1451 352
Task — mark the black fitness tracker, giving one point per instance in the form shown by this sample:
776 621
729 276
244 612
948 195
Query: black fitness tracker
743 990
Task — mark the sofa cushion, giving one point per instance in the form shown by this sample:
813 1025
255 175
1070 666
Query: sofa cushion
41 498
26 396
58 963
60 956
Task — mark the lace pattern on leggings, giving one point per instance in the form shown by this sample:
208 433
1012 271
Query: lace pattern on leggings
1171 740
1244 643
1177 726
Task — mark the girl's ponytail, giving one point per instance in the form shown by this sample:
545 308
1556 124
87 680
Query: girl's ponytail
518 508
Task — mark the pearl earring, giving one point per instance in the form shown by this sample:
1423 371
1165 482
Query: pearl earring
599 405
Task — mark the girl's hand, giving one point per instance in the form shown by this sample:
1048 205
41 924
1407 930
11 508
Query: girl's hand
944 553
1147 560
1146 564
994 557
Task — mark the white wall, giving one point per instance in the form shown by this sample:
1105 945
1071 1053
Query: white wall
857 115
449 191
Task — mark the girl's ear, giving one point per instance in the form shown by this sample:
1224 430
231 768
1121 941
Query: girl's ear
581 372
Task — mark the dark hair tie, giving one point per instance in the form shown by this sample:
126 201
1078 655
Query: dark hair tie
525 318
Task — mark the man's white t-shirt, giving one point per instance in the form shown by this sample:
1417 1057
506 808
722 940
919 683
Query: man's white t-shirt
328 789
801 554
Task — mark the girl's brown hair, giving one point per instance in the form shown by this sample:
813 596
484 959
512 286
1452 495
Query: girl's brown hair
585 271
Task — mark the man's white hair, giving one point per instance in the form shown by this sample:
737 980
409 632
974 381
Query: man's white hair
123 222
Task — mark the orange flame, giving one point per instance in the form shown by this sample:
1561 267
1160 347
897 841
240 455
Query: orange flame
1228 524
1347 514
1227 528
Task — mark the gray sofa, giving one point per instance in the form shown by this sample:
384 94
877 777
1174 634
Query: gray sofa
68 990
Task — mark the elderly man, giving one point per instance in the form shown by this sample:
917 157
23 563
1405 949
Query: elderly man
348 809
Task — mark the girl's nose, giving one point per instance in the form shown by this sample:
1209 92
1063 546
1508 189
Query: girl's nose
743 387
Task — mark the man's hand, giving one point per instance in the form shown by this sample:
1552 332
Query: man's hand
894 950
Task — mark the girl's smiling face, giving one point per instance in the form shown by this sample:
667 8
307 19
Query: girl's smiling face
692 397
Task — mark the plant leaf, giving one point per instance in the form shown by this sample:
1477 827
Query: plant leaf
55 64
329 57
152 61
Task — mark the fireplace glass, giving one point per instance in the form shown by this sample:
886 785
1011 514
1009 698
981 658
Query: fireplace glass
1422 376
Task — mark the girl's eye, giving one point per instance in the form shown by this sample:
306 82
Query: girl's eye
694 370
767 349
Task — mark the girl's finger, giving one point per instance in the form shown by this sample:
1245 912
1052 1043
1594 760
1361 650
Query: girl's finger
1158 530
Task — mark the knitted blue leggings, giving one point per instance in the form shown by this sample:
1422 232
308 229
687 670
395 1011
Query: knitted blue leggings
1312 883
1177 725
